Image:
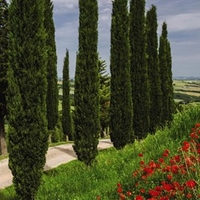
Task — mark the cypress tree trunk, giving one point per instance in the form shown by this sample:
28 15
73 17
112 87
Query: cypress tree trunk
121 108
66 111
3 71
153 70
27 88
86 96
52 89
139 72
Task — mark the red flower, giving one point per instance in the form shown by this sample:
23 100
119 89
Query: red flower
166 153
174 169
197 125
161 160
142 190
140 154
189 196
158 188
119 185
141 162
129 193
154 193
138 197
177 158
119 190
167 187
191 184
186 146
169 177
122 196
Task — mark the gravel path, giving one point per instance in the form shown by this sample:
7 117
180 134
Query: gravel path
55 156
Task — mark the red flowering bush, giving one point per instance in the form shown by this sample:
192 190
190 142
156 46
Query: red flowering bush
171 176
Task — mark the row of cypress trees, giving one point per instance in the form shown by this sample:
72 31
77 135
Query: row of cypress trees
31 45
136 59
141 98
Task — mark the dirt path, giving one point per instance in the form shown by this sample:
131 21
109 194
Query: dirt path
55 156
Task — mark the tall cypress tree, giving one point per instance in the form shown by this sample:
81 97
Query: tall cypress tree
86 96
26 96
52 89
171 88
66 111
166 76
3 71
153 70
121 112
139 72
104 93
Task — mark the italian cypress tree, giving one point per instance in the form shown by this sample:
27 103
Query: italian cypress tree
153 70
104 93
121 112
52 89
171 88
26 96
139 72
166 76
86 96
66 111
3 71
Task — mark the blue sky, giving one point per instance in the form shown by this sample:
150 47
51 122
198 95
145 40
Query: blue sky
181 16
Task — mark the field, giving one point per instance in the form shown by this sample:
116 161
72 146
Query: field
187 90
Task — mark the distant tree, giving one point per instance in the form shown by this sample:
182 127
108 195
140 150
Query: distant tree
52 89
104 94
166 76
3 71
121 112
86 95
171 87
26 96
139 70
153 70
66 111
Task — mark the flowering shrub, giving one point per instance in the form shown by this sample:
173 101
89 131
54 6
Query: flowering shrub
171 176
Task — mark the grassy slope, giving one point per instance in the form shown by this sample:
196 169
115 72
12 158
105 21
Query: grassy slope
74 181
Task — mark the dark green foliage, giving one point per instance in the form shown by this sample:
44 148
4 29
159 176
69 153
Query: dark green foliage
166 76
86 96
52 89
104 93
66 111
26 96
171 88
57 133
3 70
139 71
121 112
153 70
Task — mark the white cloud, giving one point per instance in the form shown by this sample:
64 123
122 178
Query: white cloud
64 6
182 22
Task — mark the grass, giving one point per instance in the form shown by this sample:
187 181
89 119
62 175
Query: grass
75 181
